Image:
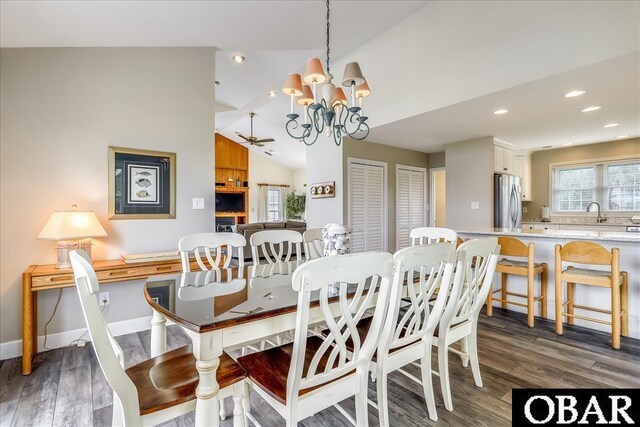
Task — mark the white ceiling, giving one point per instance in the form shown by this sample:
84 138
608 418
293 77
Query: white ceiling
539 114
437 69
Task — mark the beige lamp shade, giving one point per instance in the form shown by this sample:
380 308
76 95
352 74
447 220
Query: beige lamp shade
69 225
293 85
352 73
307 96
338 97
363 90
314 73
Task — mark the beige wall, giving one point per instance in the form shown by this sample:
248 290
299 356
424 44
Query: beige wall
392 156
540 161
60 108
436 160
263 169
469 166
440 197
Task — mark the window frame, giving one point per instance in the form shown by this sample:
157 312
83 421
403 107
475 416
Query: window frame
599 188
279 207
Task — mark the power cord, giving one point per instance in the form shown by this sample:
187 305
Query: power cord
79 342
49 321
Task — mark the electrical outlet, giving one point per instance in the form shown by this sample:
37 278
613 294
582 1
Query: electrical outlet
103 298
475 206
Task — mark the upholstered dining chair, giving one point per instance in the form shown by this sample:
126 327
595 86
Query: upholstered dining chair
214 249
275 245
428 235
156 390
315 372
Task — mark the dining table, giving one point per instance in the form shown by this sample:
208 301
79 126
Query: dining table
219 309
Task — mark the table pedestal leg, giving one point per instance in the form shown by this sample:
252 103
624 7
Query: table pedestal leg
207 349
158 334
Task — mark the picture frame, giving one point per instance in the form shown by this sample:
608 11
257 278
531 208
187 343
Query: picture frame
142 184
323 190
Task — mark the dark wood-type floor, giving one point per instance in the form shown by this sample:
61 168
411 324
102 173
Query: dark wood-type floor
67 387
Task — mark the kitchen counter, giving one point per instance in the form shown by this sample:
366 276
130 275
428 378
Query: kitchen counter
595 235
593 296
586 224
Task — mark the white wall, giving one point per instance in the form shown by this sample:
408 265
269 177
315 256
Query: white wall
324 163
300 180
469 172
263 169
60 110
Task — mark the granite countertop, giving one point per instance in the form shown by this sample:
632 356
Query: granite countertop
588 224
558 234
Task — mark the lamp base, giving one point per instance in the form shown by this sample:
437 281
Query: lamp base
64 247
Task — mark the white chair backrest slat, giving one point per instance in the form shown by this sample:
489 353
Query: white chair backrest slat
313 244
108 352
370 273
433 265
428 235
479 257
280 244
208 247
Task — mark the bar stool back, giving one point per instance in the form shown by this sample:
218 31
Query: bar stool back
582 252
512 247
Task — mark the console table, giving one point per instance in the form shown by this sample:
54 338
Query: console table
39 278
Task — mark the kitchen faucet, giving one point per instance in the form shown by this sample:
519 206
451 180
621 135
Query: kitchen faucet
599 219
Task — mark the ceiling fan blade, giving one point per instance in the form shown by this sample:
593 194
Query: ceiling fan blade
242 136
257 144
266 140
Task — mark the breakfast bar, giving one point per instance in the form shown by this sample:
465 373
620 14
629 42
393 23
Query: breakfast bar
545 242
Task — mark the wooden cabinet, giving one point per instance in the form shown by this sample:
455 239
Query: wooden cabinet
503 159
522 168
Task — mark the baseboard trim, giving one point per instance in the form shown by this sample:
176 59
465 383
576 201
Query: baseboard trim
13 349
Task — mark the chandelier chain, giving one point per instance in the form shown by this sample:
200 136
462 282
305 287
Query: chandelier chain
328 34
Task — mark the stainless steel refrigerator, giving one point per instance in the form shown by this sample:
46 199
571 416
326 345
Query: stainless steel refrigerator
507 201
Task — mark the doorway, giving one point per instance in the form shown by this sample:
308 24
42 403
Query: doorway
438 217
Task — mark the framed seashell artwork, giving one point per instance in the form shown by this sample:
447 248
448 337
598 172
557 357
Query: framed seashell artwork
323 190
142 184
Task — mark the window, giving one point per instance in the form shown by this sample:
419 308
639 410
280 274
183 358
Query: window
615 185
274 207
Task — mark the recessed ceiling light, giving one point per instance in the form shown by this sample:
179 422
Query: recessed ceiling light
217 83
546 146
574 93
622 136
610 125
238 58
592 108
272 93
567 143
501 111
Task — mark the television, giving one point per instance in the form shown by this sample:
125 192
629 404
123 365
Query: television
229 202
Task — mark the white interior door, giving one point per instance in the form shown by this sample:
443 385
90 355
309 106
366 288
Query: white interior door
411 209
367 205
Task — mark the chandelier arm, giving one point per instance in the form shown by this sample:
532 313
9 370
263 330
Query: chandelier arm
291 125
354 117
308 142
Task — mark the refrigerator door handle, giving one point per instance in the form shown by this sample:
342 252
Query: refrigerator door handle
512 207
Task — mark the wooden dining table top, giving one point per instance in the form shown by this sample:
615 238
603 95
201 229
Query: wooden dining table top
208 300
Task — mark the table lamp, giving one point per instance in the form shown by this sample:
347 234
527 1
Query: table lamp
67 227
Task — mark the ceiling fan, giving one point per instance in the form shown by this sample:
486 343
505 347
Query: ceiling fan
252 139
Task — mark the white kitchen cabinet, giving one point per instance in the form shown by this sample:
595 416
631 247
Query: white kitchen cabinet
522 168
606 227
504 159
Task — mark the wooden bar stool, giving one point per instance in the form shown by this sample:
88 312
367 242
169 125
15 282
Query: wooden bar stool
512 247
592 253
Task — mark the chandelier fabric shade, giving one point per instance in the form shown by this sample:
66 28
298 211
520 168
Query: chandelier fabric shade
362 90
293 85
314 73
339 98
352 75
307 96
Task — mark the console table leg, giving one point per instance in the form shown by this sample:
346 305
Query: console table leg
29 323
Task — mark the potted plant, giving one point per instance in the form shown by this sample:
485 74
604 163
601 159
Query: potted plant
295 205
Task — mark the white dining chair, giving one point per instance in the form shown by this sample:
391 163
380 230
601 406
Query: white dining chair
275 245
459 321
408 335
428 235
315 372
156 390
211 248
313 244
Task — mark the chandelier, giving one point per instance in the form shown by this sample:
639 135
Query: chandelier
331 112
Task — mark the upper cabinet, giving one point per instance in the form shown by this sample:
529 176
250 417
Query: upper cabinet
504 159
522 168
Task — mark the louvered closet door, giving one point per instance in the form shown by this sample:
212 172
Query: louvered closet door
366 207
410 204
